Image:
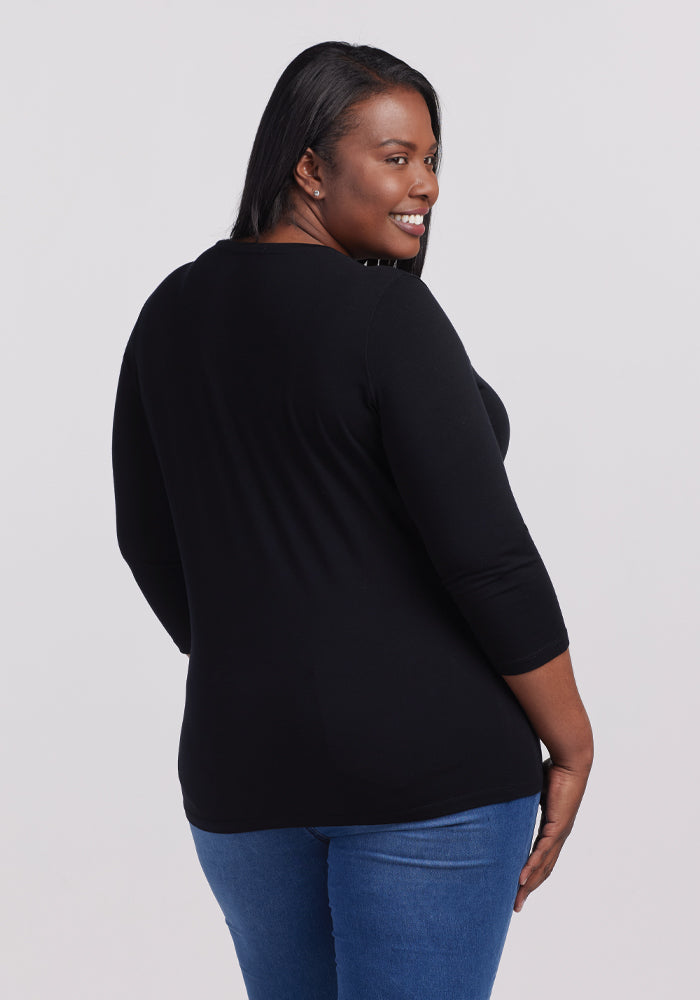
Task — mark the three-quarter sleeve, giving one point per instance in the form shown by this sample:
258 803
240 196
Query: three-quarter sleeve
449 471
145 531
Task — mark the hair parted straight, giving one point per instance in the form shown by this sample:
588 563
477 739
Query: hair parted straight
312 106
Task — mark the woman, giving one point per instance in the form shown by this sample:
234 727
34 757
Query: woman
310 492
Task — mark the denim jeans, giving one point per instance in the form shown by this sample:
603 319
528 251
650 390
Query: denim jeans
390 911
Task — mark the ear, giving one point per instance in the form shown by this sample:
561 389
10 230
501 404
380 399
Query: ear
309 174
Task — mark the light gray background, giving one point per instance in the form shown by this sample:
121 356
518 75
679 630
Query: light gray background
565 251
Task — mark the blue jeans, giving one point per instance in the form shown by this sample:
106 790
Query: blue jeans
390 911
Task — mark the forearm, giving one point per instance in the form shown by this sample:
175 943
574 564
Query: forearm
552 703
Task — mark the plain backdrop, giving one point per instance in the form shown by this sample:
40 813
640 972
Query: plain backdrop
564 248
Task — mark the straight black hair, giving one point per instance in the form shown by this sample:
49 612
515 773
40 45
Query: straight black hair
312 106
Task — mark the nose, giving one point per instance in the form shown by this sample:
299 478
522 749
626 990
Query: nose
425 185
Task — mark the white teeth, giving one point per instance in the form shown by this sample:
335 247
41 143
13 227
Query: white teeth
416 220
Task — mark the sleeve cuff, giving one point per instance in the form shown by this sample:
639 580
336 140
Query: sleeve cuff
524 664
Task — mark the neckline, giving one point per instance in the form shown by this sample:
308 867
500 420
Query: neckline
278 247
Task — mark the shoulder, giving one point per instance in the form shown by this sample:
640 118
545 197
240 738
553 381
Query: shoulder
160 305
168 289
406 308
407 296
411 342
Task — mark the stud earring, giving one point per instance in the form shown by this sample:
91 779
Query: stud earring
317 193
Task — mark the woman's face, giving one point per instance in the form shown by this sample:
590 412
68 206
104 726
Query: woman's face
385 167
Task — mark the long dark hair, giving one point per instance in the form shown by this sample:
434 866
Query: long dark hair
311 105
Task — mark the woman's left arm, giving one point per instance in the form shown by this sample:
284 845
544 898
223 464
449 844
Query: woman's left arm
145 530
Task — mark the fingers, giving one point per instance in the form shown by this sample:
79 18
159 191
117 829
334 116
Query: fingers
539 866
561 797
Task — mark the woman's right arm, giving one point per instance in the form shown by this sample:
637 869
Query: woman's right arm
448 468
552 703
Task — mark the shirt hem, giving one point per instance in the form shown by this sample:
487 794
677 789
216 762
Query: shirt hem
358 817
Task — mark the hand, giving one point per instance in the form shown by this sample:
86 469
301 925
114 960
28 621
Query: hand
561 797
553 705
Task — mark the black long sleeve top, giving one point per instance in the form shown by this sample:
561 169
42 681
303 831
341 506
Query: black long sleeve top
311 494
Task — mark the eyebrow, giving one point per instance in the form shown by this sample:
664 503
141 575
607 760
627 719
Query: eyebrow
403 142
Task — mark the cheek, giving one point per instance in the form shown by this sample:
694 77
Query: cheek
374 189
386 184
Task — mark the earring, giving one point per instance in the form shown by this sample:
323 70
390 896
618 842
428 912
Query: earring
317 193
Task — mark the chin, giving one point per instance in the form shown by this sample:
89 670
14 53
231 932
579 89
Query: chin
409 248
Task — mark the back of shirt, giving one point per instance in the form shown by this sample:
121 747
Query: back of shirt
310 492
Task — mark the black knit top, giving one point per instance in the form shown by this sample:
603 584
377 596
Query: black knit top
311 494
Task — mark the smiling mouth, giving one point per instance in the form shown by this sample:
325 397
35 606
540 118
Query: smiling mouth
414 228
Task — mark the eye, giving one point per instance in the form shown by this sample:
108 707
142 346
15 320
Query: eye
432 157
